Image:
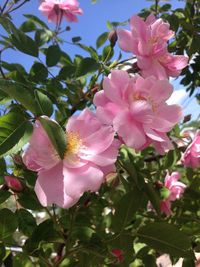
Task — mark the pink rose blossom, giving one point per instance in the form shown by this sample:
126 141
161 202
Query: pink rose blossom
90 154
13 183
191 157
148 41
176 190
56 9
137 109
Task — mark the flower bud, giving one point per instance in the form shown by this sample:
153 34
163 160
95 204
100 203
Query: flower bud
118 253
13 183
112 37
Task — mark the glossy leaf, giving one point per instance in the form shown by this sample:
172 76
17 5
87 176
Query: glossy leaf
86 66
56 135
12 126
44 103
8 223
166 238
53 55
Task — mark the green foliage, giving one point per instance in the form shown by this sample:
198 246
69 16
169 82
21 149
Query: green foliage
8 223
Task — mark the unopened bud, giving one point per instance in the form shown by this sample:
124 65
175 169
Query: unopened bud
17 159
112 37
13 183
118 254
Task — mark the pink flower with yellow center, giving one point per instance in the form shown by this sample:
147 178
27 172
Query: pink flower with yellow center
90 155
148 41
137 109
55 10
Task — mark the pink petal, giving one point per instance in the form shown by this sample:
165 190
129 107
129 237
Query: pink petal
125 40
40 153
77 181
129 130
49 188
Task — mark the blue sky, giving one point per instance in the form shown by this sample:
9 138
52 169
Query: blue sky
89 27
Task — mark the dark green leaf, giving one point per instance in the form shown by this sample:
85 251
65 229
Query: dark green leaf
2 166
29 201
26 222
24 43
126 209
76 39
28 128
8 223
39 72
152 196
108 53
101 39
12 127
2 252
4 195
53 55
166 238
36 20
86 66
44 103
56 135
28 26
20 93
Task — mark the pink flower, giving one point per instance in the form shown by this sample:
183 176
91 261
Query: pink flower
13 183
148 41
118 253
90 154
176 190
137 109
191 157
56 9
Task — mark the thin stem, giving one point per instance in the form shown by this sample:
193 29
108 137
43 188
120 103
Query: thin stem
156 7
15 8
4 6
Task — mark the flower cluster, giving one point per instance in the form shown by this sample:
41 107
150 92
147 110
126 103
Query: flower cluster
148 41
55 10
129 110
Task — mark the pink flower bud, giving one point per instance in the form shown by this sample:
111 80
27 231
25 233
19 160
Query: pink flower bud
118 253
13 183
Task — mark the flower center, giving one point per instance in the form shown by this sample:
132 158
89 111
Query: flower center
73 143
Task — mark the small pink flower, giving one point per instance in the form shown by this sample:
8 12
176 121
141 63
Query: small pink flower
90 155
137 109
56 9
148 41
176 190
118 253
13 183
191 157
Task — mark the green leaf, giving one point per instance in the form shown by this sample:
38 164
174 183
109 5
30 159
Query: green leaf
2 166
44 103
101 39
36 20
26 221
12 128
8 223
24 43
43 36
28 26
20 93
39 72
152 196
56 135
21 259
45 231
2 252
23 140
86 66
166 238
126 209
170 159
29 201
188 263
164 192
4 195
53 55
108 53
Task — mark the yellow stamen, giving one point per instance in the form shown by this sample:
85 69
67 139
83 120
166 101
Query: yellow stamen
73 143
